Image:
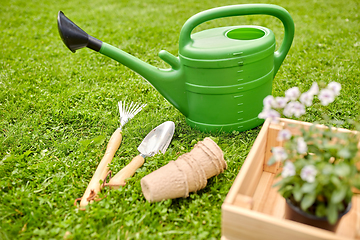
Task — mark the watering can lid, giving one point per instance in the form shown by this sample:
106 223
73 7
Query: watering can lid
226 45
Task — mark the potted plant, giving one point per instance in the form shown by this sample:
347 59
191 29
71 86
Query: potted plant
319 166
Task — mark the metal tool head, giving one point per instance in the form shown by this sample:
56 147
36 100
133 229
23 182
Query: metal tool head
157 139
128 111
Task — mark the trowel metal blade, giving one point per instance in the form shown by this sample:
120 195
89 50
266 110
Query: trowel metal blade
157 140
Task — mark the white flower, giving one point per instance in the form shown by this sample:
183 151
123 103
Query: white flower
279 154
292 93
298 109
326 96
294 109
307 98
288 170
274 115
263 114
269 102
284 134
281 102
301 145
314 90
335 87
287 110
308 173
270 113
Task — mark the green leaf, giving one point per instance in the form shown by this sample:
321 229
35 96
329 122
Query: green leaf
320 210
338 195
328 169
84 144
8 158
27 153
307 201
215 139
356 182
98 140
336 181
342 170
280 183
286 191
297 193
309 187
332 213
271 161
344 153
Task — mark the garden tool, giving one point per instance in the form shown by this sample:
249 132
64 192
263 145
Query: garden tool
156 141
126 113
221 76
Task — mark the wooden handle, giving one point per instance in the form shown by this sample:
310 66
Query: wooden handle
128 171
94 186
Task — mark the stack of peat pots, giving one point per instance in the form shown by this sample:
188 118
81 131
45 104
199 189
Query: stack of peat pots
189 173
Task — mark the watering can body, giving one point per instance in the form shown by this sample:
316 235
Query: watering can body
228 72
222 74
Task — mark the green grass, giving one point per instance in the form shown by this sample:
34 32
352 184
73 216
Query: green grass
58 111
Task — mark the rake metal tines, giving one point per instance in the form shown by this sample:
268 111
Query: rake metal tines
128 112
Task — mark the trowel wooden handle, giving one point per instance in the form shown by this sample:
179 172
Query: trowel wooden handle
128 171
94 186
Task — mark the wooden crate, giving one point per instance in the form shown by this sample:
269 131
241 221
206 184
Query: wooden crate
254 210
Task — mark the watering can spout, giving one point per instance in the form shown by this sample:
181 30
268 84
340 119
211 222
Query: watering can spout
74 37
168 82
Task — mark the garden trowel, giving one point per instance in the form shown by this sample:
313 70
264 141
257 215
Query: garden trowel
156 141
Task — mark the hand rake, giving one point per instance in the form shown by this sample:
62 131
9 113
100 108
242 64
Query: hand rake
126 113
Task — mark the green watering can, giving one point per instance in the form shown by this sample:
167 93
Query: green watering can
222 74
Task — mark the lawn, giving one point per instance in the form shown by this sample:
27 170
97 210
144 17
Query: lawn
59 109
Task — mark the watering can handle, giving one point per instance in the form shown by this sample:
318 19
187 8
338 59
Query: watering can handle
244 9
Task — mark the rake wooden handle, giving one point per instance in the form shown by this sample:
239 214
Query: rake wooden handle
101 172
128 171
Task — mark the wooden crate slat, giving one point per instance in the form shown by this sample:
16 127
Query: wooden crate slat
262 191
242 223
249 168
